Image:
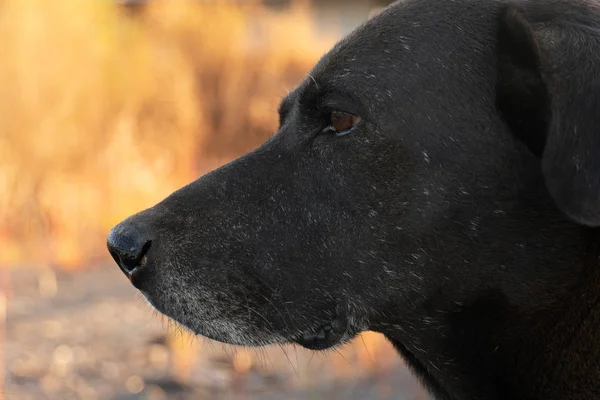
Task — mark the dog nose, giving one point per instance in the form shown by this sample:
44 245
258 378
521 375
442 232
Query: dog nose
128 244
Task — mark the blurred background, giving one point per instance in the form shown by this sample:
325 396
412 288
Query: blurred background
106 107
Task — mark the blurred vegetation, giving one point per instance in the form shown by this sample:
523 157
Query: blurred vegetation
105 111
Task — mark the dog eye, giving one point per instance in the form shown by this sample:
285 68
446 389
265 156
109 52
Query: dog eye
342 123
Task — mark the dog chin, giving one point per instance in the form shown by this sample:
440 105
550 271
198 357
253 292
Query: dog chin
223 331
340 330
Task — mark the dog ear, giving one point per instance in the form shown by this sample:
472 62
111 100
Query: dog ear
548 92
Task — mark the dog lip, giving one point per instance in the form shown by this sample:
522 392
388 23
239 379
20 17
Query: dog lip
326 336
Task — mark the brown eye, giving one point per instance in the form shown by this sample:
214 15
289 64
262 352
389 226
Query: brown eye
342 123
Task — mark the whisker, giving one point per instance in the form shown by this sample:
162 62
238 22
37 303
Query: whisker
366 348
289 361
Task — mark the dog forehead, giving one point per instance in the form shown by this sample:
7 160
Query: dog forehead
409 40
375 43
364 61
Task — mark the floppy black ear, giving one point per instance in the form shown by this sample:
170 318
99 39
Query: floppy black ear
548 92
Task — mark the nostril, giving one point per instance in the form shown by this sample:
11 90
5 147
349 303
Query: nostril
130 260
128 244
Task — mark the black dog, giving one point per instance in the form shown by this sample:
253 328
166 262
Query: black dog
436 178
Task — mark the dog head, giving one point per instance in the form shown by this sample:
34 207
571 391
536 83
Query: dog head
431 155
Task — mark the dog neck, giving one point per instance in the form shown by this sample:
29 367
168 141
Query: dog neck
561 358
491 349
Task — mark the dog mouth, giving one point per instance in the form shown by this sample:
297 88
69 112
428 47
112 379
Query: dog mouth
336 332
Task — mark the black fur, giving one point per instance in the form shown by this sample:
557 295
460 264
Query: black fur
458 218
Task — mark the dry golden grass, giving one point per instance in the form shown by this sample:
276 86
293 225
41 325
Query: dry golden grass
103 113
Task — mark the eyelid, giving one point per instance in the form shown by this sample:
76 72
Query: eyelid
330 129
335 101
337 106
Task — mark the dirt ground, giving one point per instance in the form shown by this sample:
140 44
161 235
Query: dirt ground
88 335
